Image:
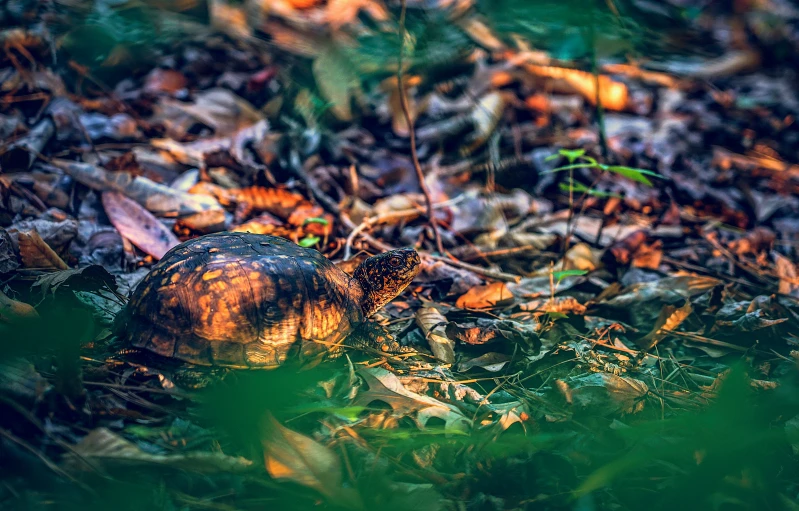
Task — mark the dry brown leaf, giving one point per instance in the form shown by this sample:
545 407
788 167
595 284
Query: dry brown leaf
490 361
649 255
219 109
262 224
138 225
613 95
13 311
291 456
295 41
486 115
193 153
155 197
579 257
166 81
483 297
669 319
103 450
35 253
304 4
789 277
229 18
433 325
385 386
343 12
562 304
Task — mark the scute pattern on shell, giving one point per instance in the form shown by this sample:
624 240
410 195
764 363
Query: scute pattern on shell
240 300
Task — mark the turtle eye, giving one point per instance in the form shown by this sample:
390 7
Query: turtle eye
394 261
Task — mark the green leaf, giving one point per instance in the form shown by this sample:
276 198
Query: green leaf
638 175
579 187
560 275
572 154
308 241
315 220
557 315
572 166
569 154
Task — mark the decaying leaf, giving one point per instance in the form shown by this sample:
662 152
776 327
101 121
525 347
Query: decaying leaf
89 278
669 319
605 394
751 321
386 387
342 12
789 276
490 361
561 304
35 253
488 331
486 115
13 311
105 451
483 297
433 325
613 95
217 108
291 456
155 197
19 378
138 225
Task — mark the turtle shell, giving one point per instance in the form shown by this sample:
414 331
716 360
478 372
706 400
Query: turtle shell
240 300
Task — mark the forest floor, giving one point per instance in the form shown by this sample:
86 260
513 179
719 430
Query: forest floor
607 312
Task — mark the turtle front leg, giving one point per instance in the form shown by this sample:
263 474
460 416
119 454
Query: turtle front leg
194 378
378 337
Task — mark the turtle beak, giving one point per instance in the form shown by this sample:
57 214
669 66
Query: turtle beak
413 260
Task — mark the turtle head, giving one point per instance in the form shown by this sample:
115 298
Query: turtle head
384 276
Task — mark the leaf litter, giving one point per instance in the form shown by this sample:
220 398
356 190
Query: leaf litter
612 323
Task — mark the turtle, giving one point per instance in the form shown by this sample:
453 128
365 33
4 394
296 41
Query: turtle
250 301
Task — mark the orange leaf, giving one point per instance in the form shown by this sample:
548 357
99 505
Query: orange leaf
138 225
36 253
482 297
343 12
13 311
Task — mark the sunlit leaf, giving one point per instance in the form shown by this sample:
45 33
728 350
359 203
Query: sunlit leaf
571 154
291 456
309 241
560 275
638 175
315 220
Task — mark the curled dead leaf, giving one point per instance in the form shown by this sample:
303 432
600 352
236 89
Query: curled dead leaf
433 325
386 387
563 305
155 197
35 253
613 95
483 297
669 319
138 225
13 311
788 274
106 451
291 456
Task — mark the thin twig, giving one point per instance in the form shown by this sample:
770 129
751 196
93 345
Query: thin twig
412 135
493 274
379 245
